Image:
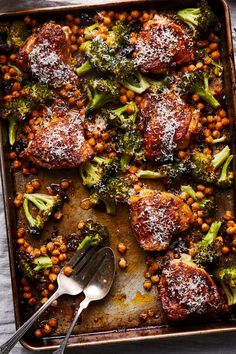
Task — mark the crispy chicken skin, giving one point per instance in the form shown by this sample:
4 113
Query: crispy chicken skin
187 291
156 217
168 124
47 55
162 44
58 141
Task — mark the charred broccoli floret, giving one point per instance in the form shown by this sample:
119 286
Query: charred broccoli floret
137 83
42 262
17 34
119 116
46 205
84 68
131 147
227 277
201 20
93 234
208 250
106 60
38 92
169 171
101 92
197 82
226 178
207 204
93 172
204 166
112 191
118 36
18 108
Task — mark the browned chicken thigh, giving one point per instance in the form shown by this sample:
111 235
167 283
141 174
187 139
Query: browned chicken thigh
58 141
187 291
162 44
156 217
46 54
169 124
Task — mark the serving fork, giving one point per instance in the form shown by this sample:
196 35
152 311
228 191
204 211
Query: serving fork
84 263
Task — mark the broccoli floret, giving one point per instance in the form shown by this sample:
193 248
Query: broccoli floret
84 68
137 83
227 277
207 204
93 172
93 234
28 271
204 167
118 36
201 20
106 60
112 191
101 92
42 262
131 146
88 31
169 171
46 205
226 178
13 126
18 108
38 92
222 139
119 117
208 249
197 82
17 34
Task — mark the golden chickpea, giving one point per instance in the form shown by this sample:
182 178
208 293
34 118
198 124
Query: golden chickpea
32 301
54 303
122 263
64 184
208 190
68 270
225 249
50 246
155 279
199 195
38 333
228 215
44 292
51 287
16 164
121 247
205 227
52 277
20 232
36 184
47 329
43 250
130 94
52 322
107 21
147 284
215 55
231 230
123 99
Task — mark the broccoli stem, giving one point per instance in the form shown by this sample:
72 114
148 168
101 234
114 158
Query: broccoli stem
13 126
212 234
42 262
219 159
222 139
224 171
149 174
84 68
139 87
110 207
206 95
39 200
28 215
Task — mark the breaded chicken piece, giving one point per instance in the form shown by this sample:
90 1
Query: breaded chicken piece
47 55
162 44
58 141
169 124
187 291
156 217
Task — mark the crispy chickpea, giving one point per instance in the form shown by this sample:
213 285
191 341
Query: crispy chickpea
122 263
52 322
107 21
51 287
43 250
121 247
228 215
52 277
47 329
92 142
38 333
36 184
155 279
147 284
225 249
123 99
130 94
20 232
32 301
29 188
205 227
50 246
215 55
64 184
231 230
16 164
68 270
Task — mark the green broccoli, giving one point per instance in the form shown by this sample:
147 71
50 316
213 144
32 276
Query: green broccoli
17 34
101 92
227 278
222 139
112 191
27 269
93 172
137 83
208 250
13 126
46 205
130 146
201 20
88 31
226 178
38 92
84 68
18 108
207 204
118 36
204 167
119 116
197 82
93 234
42 262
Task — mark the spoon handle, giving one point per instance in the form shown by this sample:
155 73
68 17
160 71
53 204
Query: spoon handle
6 347
62 347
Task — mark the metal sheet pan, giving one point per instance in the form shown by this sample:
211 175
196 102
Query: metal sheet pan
115 319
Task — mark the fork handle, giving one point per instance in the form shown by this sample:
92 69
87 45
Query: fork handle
6 347
62 347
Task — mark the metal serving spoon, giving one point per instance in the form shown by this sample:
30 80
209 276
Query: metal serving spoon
85 264
97 288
